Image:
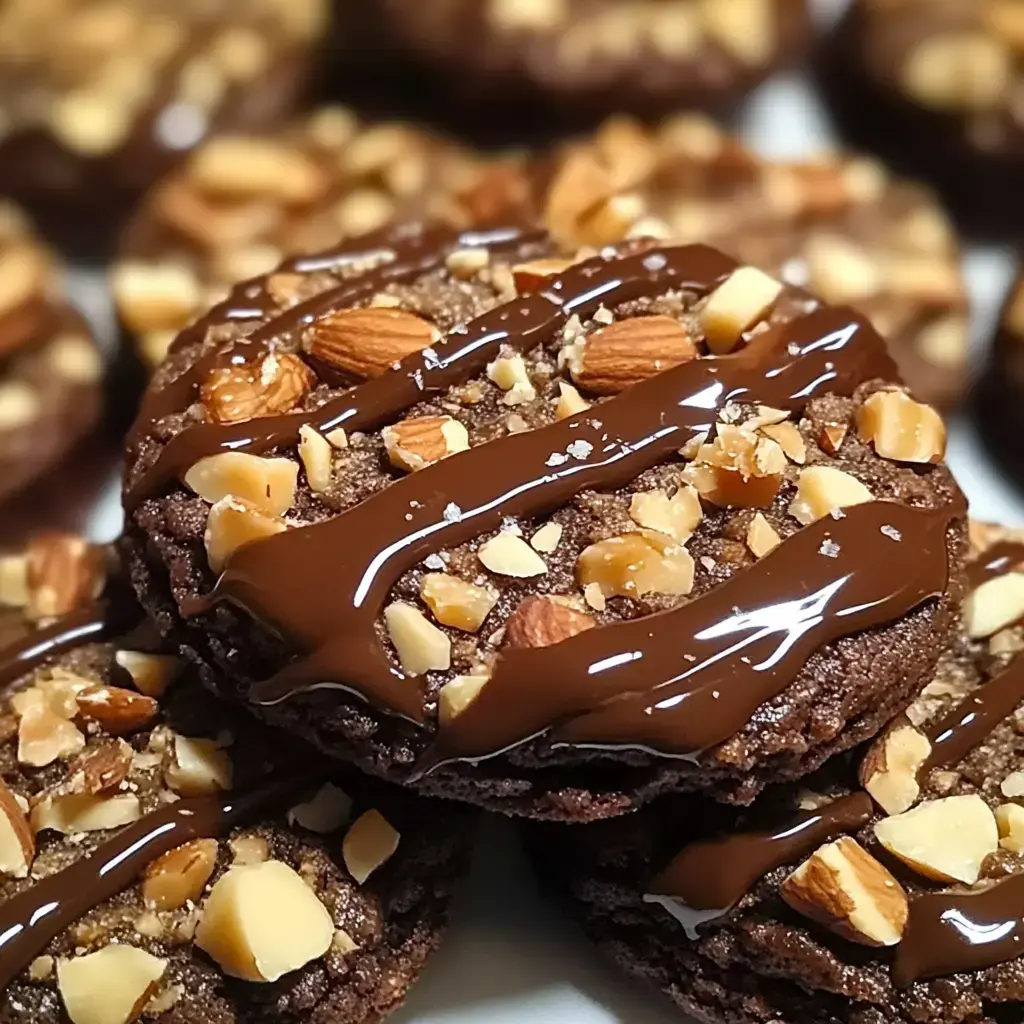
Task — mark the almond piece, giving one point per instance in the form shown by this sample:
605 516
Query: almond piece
535 275
456 695
454 602
542 621
902 429
118 711
367 343
317 456
44 737
110 986
70 813
266 485
736 305
761 536
509 555
844 888
155 296
420 645
243 167
788 437
262 921
231 525
180 875
994 605
635 564
64 572
197 767
677 516
151 673
890 768
947 839
840 271
99 769
629 351
570 402
368 844
822 489
958 71
414 443
510 374
14 580
744 28
274 385
325 811
17 842
1010 820
546 539
737 469
831 438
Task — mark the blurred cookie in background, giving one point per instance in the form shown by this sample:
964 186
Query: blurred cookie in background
99 97
241 203
591 57
936 88
51 369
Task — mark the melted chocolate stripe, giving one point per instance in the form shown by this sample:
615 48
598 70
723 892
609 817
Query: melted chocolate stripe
706 879
369 405
1001 558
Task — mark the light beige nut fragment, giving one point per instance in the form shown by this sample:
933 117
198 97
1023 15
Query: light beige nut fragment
44 737
233 394
546 539
75 358
198 766
24 273
958 71
570 401
325 811
510 374
841 271
465 263
737 468
180 875
338 438
241 167
70 813
14 580
369 843
266 485
1013 785
117 710
42 967
844 888
947 839
994 605
261 922
420 645
316 454
64 572
110 986
890 768
155 296
509 555
761 537
626 352
17 842
343 943
823 489
417 442
88 123
635 564
456 695
151 673
901 428
19 404
249 850
231 525
831 438
736 305
367 343
542 621
454 602
744 28
788 437
1010 820
677 516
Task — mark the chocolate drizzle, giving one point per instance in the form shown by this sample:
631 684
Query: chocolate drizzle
708 878
1003 557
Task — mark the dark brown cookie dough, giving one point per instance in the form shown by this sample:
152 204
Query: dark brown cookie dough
241 202
822 903
578 494
93 113
935 87
50 366
596 56
194 866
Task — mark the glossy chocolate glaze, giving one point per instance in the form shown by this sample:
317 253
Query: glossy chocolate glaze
708 878
1001 558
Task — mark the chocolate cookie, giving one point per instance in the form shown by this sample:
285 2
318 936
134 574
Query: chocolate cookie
841 225
50 366
597 56
93 113
826 902
934 87
488 491
161 859
240 203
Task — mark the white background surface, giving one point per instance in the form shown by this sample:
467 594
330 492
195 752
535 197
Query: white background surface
510 958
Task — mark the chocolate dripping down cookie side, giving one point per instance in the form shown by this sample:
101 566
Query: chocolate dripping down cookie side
623 685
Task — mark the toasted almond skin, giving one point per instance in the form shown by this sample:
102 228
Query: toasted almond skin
541 621
233 394
63 572
534 275
366 343
119 711
629 351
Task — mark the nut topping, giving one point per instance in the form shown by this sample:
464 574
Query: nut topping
198 767
832 437
1010 820
546 539
232 394
570 401
823 489
325 811
414 443
542 621
735 306
99 769
231 525
533 276
44 737
110 986
180 875
635 564
151 673
737 469
994 605
677 516
367 343
455 602
117 710
17 842
368 844
316 454
70 813
509 555
761 536
890 768
63 572
947 839
261 921
789 439
420 645
844 888
902 429
456 695
266 485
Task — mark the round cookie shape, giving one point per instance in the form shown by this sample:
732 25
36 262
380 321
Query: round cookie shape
166 859
840 225
933 87
241 202
445 504
889 887
51 368
93 114
595 56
